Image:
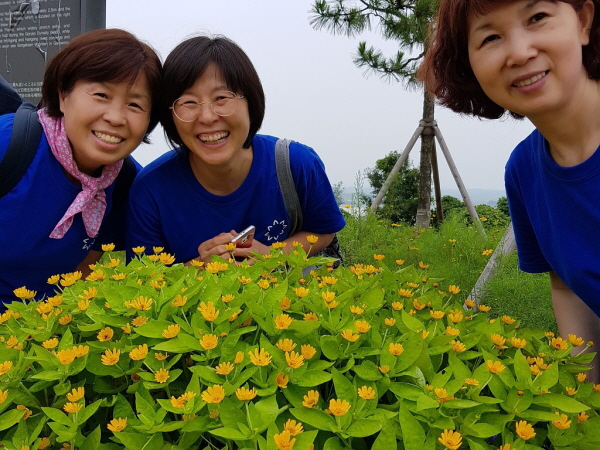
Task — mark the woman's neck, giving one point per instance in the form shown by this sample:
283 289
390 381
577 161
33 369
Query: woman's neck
222 179
574 134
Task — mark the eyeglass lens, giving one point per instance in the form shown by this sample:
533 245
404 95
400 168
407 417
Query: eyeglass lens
188 109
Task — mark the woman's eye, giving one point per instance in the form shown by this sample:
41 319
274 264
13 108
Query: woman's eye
100 95
489 39
137 106
538 17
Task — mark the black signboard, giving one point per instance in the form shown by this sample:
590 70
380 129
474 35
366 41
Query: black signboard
32 31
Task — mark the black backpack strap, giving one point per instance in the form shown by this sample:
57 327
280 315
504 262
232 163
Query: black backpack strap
24 142
287 185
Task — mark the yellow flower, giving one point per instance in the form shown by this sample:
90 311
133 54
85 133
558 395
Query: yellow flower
518 343
581 377
469 303
312 239
105 334
498 341
239 357
142 303
458 347
436 314
350 336
161 356
294 359
157 250
108 247
472 382
576 341
110 358
243 394
308 351
508 320
397 306
139 353
139 321
179 300
66 319
396 349
378 257
119 424
407 293
452 289
285 303
422 265
72 408
279 245
310 316
225 368
310 399
301 291
451 331
126 329
282 380
96 275
113 263
171 331
244 280
450 439
366 393
260 357
581 417
384 369
263 284
161 375
24 294
216 267
166 258
418 305
362 326
286 345
524 430
284 440
455 317
214 394
356 310
139 249
295 428
209 341
208 311
3 395
81 350
89 294
495 366
76 394
53 279
227 298
571 391
230 246
562 423
44 443
50 343
283 321
338 407
484 308
28 412
66 356
559 343
83 305
390 321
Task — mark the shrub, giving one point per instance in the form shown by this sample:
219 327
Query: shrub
232 356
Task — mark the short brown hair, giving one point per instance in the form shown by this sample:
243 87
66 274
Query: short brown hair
106 55
447 71
188 61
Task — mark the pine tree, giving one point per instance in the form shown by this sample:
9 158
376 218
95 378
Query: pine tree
407 23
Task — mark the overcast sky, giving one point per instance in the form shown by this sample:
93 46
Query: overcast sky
315 94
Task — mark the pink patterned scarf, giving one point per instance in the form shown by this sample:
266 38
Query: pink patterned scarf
91 201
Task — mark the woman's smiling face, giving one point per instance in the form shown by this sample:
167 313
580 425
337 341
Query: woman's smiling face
214 140
527 55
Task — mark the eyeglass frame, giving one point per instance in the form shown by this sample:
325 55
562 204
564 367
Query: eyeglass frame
235 97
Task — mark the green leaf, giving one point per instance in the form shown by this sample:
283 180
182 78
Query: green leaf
312 378
92 441
268 410
386 440
47 375
364 428
122 408
482 430
412 431
229 433
207 374
315 418
368 371
144 409
411 322
344 389
175 345
521 366
334 443
137 441
406 391
330 347
88 412
562 402
230 414
57 416
460 404
153 329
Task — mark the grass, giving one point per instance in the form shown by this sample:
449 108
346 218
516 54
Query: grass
454 252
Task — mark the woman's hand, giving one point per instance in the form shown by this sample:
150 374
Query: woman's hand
246 252
215 246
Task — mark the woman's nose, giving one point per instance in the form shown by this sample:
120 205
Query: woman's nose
520 48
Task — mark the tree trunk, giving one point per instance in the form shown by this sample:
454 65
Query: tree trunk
427 143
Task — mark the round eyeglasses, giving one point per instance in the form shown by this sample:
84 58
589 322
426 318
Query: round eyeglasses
223 103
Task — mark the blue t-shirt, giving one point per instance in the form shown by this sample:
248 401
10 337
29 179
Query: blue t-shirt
555 212
29 213
170 208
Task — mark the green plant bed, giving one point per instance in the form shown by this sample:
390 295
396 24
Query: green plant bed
374 356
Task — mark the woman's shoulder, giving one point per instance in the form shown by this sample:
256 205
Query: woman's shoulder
526 150
163 166
299 153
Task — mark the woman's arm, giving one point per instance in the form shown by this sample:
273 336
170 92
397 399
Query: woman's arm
573 316
84 266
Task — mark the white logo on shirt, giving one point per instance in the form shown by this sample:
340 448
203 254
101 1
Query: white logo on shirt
87 243
275 230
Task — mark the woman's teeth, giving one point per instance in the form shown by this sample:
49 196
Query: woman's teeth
107 138
530 80
214 137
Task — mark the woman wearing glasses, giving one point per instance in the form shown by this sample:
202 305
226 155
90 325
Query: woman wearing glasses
221 176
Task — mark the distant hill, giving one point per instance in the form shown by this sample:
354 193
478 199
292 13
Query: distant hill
478 196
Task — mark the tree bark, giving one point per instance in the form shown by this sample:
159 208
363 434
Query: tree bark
427 143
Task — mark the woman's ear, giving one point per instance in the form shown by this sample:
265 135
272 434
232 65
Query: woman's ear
586 17
61 100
